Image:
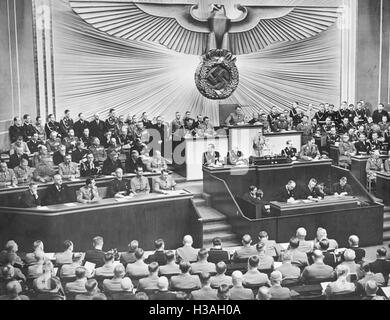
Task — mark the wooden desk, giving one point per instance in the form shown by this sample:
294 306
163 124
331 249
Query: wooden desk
383 187
188 156
358 167
145 218
306 206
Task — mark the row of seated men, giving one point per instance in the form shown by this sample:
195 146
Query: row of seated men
195 274
119 187
116 130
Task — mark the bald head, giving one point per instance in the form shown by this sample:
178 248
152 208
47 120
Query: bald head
187 240
237 278
301 233
163 284
126 284
353 241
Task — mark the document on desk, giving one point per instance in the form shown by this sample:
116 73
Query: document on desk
70 205
43 208
90 267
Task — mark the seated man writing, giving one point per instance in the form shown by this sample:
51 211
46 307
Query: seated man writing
288 193
164 183
341 188
89 193
310 151
310 191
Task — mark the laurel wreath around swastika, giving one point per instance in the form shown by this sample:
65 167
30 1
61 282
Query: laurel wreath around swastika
217 77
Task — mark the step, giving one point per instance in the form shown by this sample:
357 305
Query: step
386 236
210 214
224 236
386 226
199 202
214 227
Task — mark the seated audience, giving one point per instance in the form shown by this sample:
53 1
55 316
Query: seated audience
91 286
246 251
107 269
30 257
221 278
11 247
69 270
216 253
368 275
140 184
159 255
164 183
381 265
299 258
253 277
202 265
54 142
371 288
133 162
185 281
30 198
276 290
69 169
206 292
13 291
57 193
360 253
126 292
304 246
329 257
349 261
129 256
288 193
342 188
150 282
119 187
139 268
7 176
347 150
65 257
266 262
111 164
80 153
157 163
287 269
23 173
187 252
170 268
89 193
90 167
34 143
96 255
78 286
9 261
341 285
318 271
238 292
322 234
114 284
374 165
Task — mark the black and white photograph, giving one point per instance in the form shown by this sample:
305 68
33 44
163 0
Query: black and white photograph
204 152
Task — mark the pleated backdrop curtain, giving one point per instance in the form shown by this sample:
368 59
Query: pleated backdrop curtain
95 72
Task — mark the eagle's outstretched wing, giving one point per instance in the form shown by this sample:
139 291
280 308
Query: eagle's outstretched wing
266 25
172 26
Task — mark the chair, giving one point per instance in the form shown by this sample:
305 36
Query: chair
169 275
100 280
266 271
345 296
236 266
254 287
289 283
135 279
308 292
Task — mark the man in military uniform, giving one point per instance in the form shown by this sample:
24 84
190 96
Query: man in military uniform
119 187
140 184
66 124
164 183
69 169
374 165
23 172
235 118
7 176
363 146
306 128
347 149
51 126
310 151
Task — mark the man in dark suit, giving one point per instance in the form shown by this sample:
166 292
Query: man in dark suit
185 281
34 143
80 153
66 124
211 157
111 164
238 292
119 187
381 265
97 127
354 245
96 255
159 255
363 146
288 192
28 128
206 292
57 193
30 198
379 113
255 196
16 130
309 191
341 188
90 167
133 162
59 155
216 253
80 125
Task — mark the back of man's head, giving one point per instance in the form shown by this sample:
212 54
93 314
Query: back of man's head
11 246
203 254
253 261
13 288
91 285
260 247
126 284
38 245
263 235
318 256
246 240
342 270
153 267
217 242
221 267
381 252
187 240
237 277
139 254
133 245
108 257
159 244
276 277
98 241
324 244
349 255
294 243
204 278
163 284
184 267
39 256
301 233
263 294
80 272
170 255
119 271
286 256
353 241
371 288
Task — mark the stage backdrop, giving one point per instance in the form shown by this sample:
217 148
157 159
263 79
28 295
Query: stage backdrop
94 72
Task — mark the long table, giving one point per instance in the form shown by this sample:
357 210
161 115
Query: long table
144 217
383 187
341 217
